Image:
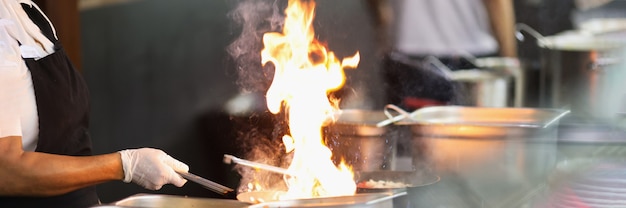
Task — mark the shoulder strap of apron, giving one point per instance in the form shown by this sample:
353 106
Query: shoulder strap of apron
33 42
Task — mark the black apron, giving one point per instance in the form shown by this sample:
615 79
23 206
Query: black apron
63 108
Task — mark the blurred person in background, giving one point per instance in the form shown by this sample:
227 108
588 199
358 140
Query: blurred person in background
410 31
45 150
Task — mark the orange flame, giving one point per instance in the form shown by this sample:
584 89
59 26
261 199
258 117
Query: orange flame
305 73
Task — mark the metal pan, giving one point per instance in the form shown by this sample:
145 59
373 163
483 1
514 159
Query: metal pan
255 197
162 200
398 179
370 200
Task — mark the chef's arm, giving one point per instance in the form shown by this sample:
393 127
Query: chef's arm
502 18
25 173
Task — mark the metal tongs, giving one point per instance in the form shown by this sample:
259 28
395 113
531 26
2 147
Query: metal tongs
228 159
215 187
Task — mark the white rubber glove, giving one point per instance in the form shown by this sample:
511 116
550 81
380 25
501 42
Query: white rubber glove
151 168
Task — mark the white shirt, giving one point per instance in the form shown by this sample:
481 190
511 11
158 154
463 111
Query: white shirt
443 28
18 111
18 108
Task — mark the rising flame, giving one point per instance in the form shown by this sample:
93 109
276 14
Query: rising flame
305 73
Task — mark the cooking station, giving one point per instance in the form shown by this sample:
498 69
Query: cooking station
529 160
459 156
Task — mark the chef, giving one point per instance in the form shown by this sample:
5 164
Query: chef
413 33
45 151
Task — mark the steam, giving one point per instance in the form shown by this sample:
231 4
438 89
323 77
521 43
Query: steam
255 17
259 137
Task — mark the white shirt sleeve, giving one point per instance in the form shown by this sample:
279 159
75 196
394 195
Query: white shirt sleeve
18 108
9 63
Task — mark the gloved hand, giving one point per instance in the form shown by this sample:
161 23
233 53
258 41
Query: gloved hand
151 168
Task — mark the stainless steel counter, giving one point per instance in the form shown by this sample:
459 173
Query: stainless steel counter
162 201
587 170
366 200
586 163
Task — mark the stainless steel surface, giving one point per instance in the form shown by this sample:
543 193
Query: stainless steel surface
493 170
494 155
371 200
411 179
569 40
217 188
478 122
255 197
511 67
579 70
590 166
485 87
578 41
166 201
532 176
603 25
505 174
359 122
414 181
578 80
353 137
586 183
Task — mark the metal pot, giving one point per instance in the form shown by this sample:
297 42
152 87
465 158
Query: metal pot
354 138
508 68
492 84
495 154
577 70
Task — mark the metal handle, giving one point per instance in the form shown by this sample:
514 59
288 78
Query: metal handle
217 188
392 119
524 27
228 159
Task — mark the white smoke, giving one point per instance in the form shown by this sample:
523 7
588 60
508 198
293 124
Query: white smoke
254 18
